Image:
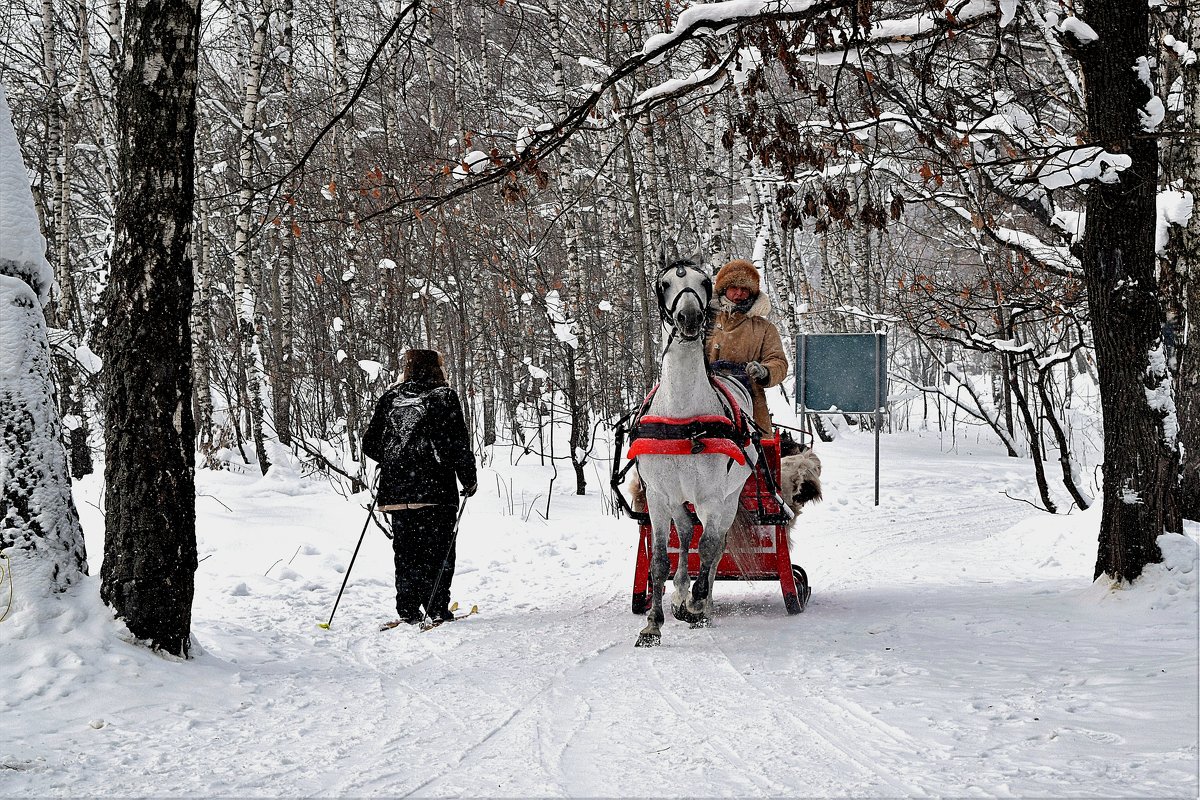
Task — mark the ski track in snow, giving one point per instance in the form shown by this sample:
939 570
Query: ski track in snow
953 646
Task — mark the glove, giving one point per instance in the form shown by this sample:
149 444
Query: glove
469 491
757 372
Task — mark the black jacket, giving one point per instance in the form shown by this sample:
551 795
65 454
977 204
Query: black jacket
419 439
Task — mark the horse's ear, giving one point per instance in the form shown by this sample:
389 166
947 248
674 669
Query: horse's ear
668 252
697 257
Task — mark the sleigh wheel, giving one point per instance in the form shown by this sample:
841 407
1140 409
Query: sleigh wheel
796 602
639 602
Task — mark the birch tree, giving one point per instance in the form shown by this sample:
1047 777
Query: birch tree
1178 200
245 294
150 496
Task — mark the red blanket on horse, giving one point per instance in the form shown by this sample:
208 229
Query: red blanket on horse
671 436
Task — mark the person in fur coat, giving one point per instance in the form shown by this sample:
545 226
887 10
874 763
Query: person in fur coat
419 439
743 334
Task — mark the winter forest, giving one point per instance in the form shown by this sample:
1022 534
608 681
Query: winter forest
222 224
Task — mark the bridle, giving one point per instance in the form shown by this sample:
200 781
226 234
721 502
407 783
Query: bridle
668 314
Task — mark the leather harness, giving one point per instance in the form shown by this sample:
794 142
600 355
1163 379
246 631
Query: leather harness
676 436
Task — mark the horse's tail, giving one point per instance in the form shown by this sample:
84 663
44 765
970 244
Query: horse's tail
741 541
637 491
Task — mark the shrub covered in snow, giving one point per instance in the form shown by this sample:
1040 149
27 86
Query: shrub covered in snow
39 525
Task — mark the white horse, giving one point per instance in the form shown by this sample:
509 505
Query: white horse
711 481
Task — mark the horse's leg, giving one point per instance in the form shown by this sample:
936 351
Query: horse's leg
700 605
716 522
660 565
685 525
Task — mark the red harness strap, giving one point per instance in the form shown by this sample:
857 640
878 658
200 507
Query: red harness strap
733 404
684 447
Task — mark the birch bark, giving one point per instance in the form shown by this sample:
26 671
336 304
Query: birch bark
576 356
285 314
150 494
1184 248
245 296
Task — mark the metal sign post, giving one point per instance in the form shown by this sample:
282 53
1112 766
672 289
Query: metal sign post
832 378
878 419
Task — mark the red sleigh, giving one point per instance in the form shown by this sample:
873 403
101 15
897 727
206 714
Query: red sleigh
767 558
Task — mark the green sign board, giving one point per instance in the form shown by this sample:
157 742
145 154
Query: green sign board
842 372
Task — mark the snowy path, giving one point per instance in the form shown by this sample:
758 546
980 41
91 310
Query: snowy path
953 646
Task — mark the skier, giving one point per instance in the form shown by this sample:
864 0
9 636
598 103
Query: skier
419 439
743 335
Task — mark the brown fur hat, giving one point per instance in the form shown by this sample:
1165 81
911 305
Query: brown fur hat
423 365
738 272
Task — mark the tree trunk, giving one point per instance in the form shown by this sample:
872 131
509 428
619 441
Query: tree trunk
150 495
1141 459
1065 462
574 291
245 295
201 321
1185 248
346 369
285 318
70 313
1035 448
1002 316
52 193
716 247
641 277
63 310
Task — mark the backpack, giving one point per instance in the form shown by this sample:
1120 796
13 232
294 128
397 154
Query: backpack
406 432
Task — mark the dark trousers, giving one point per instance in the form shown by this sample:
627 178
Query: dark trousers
421 539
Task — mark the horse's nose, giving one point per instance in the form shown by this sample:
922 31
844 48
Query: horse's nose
690 319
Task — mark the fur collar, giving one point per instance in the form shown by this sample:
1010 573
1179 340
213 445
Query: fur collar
761 306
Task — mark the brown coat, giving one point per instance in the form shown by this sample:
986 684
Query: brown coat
750 337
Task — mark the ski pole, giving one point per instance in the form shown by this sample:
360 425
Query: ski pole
363 535
442 571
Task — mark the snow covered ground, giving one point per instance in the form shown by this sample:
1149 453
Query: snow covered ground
954 645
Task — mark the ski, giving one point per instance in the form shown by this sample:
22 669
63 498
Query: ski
429 624
433 623
387 626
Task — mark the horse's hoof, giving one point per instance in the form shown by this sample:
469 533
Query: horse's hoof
648 640
684 614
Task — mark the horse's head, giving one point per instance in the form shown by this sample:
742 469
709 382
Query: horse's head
684 290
